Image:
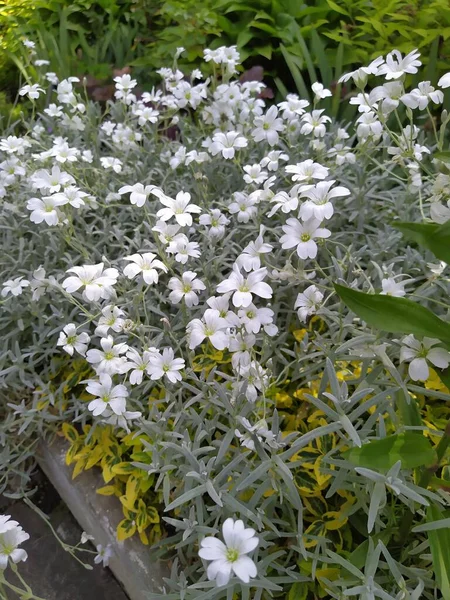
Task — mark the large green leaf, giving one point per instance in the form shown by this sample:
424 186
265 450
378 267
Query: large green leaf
395 315
411 448
439 544
430 235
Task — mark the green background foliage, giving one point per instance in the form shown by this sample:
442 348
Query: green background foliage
289 38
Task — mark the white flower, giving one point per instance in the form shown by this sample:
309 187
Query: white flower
303 235
186 287
254 174
51 181
45 209
86 537
6 524
444 81
390 287
11 536
103 556
64 153
360 75
212 327
14 145
307 170
111 318
167 233
342 154
70 340
123 420
230 557
96 281
138 364
71 195
391 93
271 161
165 364
308 302
147 264
250 258
109 162
285 202
396 66
244 287
180 208
227 144
109 359
314 123
216 222
15 286
260 430
418 353
318 204
320 91
107 395
292 107
138 193
183 249
420 96
254 318
267 127
32 91
243 206
369 125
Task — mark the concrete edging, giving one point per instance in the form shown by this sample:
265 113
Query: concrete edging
131 562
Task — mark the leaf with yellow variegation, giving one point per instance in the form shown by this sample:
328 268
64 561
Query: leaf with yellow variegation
141 517
78 468
94 457
107 472
132 488
334 520
107 490
144 538
125 529
123 468
71 453
69 432
152 515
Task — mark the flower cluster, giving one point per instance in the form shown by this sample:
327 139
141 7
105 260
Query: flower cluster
185 244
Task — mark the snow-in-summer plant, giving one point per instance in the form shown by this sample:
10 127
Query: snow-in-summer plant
197 249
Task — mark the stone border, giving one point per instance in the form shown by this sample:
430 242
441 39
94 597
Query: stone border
131 562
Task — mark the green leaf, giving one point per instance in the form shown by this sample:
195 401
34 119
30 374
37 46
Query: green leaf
395 315
443 156
411 448
296 73
338 8
430 235
444 376
265 51
439 544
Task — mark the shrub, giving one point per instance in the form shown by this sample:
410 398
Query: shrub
260 357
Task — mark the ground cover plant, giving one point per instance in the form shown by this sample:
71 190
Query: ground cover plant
237 312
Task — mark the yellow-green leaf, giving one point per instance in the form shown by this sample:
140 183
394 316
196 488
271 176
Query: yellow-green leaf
125 529
107 490
70 433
